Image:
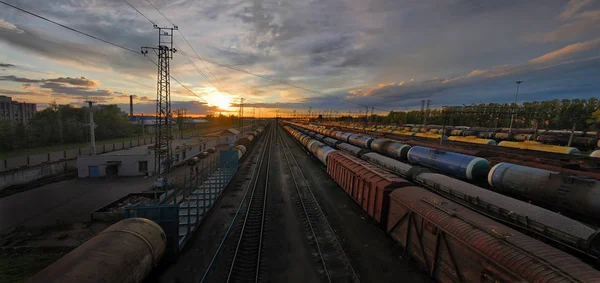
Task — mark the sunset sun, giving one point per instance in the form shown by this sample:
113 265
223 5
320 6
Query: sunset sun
219 100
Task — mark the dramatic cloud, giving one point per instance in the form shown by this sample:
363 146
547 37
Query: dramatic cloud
6 65
386 54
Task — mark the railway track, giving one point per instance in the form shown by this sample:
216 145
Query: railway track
336 265
246 262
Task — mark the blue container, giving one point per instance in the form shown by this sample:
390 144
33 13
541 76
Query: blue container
460 165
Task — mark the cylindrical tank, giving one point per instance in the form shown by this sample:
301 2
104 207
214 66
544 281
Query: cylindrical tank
350 148
575 193
460 165
395 150
393 165
531 145
503 136
314 145
522 137
361 141
595 153
323 152
486 135
330 141
472 139
338 135
319 137
124 252
377 144
470 133
456 132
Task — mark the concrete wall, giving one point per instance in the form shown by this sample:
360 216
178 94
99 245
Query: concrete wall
129 165
20 170
38 159
26 175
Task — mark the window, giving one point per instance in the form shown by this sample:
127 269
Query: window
143 166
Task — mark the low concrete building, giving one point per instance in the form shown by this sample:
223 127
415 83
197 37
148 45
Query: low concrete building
97 166
228 137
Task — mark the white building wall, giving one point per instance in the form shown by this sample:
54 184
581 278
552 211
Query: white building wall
129 165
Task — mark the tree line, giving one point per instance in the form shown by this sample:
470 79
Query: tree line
64 124
582 114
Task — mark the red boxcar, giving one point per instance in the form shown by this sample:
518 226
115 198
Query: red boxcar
368 185
455 244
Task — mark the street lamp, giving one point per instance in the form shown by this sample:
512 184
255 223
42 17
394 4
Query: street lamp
512 117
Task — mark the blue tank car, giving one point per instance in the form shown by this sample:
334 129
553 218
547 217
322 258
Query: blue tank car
460 165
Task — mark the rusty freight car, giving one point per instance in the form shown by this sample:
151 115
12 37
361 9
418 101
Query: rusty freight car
455 244
368 185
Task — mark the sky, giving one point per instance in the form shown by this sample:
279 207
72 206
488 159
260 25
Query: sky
341 55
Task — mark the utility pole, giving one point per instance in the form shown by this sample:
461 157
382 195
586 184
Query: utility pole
512 117
426 113
372 108
92 136
162 147
240 115
422 110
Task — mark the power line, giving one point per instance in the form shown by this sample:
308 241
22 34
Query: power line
69 28
197 56
140 13
244 71
160 12
96 38
191 47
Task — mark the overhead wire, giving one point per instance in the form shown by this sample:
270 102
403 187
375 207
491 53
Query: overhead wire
191 47
189 55
244 71
97 38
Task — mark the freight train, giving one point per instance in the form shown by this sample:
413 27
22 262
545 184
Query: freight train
562 191
244 143
555 227
588 140
452 243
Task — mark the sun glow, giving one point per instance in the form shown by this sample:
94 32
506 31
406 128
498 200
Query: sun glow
220 100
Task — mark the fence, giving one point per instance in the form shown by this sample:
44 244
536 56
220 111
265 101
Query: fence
192 199
57 156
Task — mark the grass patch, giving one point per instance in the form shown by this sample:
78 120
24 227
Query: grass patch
18 266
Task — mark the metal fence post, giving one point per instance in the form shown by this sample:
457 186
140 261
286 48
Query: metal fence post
203 188
188 205
197 201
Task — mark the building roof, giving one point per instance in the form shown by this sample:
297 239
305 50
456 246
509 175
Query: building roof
230 131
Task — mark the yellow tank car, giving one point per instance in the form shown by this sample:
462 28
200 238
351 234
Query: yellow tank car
532 145
472 139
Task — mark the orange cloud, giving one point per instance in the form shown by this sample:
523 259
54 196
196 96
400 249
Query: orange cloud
567 51
572 8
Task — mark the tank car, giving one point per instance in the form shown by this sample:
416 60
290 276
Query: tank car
361 141
460 165
574 193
